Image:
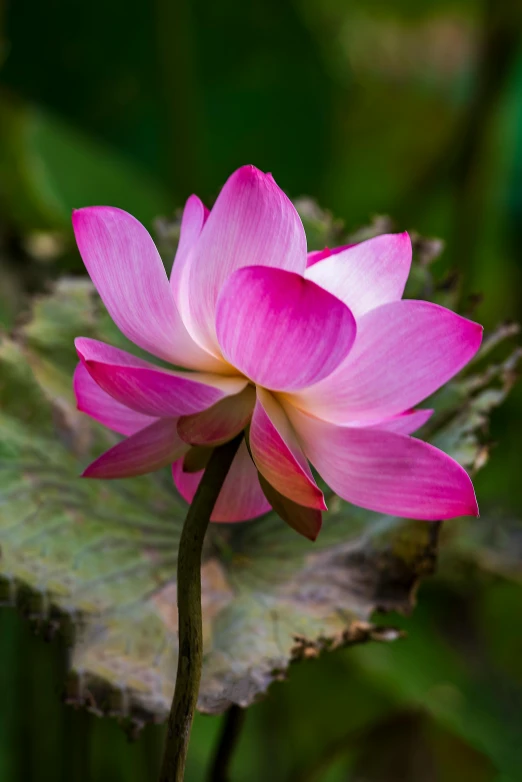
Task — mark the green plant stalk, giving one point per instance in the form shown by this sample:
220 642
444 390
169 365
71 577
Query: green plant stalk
233 722
190 628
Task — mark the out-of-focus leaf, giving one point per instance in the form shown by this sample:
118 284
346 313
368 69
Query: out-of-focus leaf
494 545
11 294
322 229
49 168
104 553
447 670
411 747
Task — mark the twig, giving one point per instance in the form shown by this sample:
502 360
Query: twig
190 629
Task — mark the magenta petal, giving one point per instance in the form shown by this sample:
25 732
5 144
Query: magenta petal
93 401
281 330
405 423
127 270
404 352
318 255
241 497
367 274
278 455
194 217
145 451
386 472
252 223
149 389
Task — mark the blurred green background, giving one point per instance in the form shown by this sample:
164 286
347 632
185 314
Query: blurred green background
409 109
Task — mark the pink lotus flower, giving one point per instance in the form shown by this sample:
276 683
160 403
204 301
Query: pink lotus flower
315 355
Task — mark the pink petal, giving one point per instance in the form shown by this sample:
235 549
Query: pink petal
192 222
93 401
367 274
219 423
145 451
405 423
251 223
241 497
127 270
151 390
386 472
278 455
404 351
281 330
318 255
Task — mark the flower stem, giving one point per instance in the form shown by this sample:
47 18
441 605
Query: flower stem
231 730
190 630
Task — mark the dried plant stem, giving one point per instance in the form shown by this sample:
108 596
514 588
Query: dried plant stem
189 612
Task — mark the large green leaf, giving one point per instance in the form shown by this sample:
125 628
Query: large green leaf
104 553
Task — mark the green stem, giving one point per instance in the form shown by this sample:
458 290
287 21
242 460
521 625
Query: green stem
190 630
230 732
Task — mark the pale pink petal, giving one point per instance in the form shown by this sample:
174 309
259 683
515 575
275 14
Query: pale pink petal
241 497
93 401
252 223
127 270
404 351
219 423
145 451
386 472
151 390
367 274
278 455
282 331
318 255
405 423
195 214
